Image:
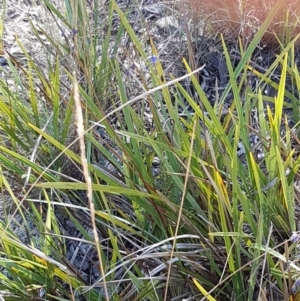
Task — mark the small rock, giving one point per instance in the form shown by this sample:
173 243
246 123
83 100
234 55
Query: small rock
152 11
3 61
155 162
168 24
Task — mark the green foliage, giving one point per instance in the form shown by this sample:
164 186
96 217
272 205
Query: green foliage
191 218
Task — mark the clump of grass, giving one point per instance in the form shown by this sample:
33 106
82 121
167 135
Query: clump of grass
210 230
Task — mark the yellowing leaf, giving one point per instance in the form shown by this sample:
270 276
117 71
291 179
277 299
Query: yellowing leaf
203 290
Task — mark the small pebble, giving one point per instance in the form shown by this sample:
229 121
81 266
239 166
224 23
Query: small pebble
155 162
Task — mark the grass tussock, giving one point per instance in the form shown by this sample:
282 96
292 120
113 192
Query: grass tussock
112 208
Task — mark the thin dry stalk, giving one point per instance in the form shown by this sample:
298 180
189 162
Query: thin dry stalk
80 131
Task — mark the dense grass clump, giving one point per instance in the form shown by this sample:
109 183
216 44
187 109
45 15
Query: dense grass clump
165 209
